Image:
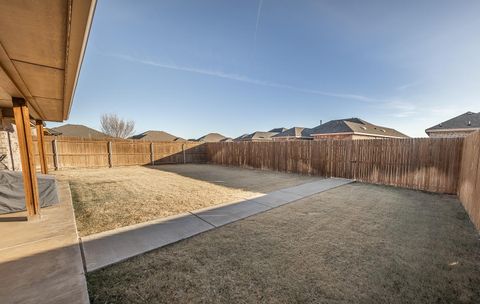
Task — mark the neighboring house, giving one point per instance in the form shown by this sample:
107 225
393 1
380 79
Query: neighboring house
212 137
278 130
292 134
51 132
459 126
260 135
157 136
256 136
78 131
353 128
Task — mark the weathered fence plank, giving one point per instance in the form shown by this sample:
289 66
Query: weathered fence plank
469 181
423 163
75 152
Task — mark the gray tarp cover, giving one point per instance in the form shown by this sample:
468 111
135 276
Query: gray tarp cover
12 196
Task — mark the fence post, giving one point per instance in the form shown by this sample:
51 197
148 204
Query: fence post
55 155
183 150
152 159
110 163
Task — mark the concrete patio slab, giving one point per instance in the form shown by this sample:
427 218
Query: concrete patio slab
40 261
220 216
112 246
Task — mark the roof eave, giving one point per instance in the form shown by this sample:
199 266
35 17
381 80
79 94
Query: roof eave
80 24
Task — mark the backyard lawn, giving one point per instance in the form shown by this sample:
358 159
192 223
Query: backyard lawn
358 243
109 198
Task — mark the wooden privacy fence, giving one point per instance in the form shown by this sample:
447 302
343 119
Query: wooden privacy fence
469 181
423 163
74 152
445 165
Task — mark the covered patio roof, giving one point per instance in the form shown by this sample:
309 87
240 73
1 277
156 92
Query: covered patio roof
42 44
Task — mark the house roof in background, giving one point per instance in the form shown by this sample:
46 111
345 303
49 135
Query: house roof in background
294 132
153 135
258 135
468 120
355 125
78 131
278 130
50 131
212 137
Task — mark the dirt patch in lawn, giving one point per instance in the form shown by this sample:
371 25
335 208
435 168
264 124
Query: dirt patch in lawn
354 244
105 199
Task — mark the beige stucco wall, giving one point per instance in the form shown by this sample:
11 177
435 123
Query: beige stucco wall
9 146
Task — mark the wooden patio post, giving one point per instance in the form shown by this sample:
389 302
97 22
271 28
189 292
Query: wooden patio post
41 146
22 122
152 159
56 163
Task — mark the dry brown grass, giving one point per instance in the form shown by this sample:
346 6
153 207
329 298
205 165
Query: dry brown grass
105 199
354 244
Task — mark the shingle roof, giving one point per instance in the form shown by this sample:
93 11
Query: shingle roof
294 132
258 135
79 131
53 132
278 130
468 120
212 137
157 136
354 125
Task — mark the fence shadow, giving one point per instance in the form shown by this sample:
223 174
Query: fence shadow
422 164
252 180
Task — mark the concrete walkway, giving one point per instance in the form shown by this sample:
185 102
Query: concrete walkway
110 247
41 262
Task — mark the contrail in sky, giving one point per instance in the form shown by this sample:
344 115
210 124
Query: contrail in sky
246 79
259 11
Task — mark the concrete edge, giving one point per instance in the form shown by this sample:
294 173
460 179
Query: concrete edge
119 230
205 217
195 213
141 245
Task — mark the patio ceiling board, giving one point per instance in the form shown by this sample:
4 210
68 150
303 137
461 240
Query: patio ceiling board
41 49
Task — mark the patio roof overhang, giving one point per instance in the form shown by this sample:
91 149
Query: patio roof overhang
42 43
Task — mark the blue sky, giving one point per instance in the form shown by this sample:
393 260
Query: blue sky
191 67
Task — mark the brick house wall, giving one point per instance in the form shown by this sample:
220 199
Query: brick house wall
450 134
287 138
333 136
347 136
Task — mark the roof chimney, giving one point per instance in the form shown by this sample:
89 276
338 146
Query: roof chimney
321 122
